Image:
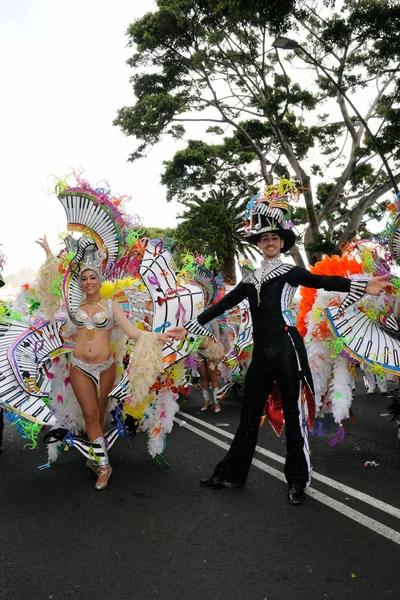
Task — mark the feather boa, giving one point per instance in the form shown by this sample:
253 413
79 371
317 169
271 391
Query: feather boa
318 354
340 389
215 354
64 403
49 302
146 365
159 421
156 411
331 376
344 266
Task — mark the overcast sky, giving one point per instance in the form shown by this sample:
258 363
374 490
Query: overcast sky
63 76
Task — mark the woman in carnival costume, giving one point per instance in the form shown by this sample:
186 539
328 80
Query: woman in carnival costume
50 338
93 369
279 354
227 356
208 367
211 351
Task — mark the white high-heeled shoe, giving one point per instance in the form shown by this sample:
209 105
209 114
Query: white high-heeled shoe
207 406
103 468
217 403
104 474
207 402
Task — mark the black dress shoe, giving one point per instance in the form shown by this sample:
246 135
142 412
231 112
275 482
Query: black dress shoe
296 494
212 482
218 483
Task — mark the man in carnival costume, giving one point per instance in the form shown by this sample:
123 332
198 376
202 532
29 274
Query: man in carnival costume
279 369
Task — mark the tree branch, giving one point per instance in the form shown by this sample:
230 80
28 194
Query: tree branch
358 212
297 257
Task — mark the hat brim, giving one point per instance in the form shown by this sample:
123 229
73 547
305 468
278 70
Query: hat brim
287 235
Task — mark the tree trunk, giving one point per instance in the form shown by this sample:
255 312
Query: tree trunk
298 259
313 256
228 269
357 214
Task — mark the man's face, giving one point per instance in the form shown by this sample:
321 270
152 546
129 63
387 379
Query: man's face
270 245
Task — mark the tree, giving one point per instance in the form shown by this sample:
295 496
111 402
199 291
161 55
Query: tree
214 226
211 61
158 233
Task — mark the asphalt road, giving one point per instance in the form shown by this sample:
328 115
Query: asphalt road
156 535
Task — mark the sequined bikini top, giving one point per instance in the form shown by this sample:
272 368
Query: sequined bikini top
100 320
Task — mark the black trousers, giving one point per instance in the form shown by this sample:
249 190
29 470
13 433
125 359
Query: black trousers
277 361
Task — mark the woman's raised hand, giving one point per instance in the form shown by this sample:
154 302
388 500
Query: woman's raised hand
45 245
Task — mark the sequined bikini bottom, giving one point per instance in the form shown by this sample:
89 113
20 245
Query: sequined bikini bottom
92 371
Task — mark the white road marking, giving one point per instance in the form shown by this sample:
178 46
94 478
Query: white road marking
372 524
341 487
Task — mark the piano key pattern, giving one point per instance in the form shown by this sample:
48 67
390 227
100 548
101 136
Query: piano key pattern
89 450
29 356
206 280
368 341
15 396
272 215
357 291
394 242
175 299
279 270
86 211
243 338
121 391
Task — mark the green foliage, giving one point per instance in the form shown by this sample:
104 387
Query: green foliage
157 233
214 227
299 216
324 190
322 243
210 60
201 166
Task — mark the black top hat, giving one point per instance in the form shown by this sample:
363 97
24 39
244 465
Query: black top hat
270 215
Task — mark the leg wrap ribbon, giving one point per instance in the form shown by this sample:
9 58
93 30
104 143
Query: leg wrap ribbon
95 450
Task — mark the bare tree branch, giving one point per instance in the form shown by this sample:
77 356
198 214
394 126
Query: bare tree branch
359 210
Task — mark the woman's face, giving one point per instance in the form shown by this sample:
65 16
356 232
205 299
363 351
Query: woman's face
89 282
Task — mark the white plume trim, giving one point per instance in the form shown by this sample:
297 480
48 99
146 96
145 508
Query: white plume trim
64 404
158 421
318 354
340 389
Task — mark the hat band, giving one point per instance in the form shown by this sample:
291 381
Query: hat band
267 229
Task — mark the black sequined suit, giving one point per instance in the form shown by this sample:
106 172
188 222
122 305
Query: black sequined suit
279 355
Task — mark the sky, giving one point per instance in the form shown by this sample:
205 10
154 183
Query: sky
64 76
